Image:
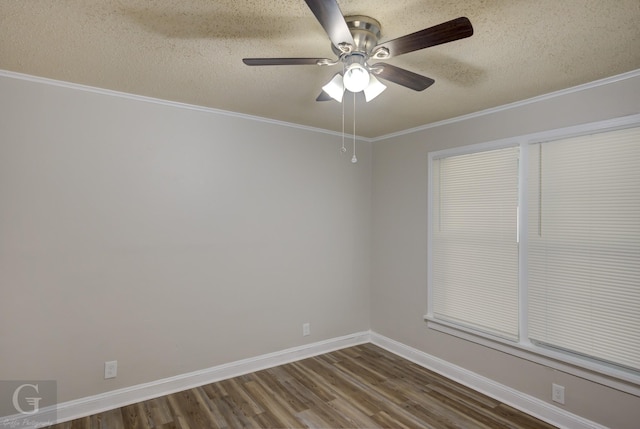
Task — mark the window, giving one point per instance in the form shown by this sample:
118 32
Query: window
475 257
536 244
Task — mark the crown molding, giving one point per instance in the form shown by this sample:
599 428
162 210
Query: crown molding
75 86
597 83
175 104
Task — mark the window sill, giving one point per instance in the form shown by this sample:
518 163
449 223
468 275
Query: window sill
616 378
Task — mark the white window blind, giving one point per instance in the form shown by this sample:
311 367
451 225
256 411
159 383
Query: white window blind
584 245
474 241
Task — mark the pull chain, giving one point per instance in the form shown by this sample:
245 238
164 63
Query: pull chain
354 159
343 149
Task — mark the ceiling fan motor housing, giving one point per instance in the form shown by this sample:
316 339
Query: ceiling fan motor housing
366 33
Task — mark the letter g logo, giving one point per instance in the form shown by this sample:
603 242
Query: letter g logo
33 401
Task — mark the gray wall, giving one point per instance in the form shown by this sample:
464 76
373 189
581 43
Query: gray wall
168 238
399 252
175 239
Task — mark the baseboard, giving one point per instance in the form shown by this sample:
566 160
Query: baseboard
118 398
526 403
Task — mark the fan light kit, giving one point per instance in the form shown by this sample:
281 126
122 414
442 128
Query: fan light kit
354 39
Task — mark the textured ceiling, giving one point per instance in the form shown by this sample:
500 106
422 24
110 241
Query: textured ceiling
191 51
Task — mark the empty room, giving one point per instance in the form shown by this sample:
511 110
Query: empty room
320 213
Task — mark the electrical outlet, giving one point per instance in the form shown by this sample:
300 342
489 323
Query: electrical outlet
110 369
557 393
306 329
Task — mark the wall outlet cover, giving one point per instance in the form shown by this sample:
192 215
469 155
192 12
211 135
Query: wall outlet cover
110 369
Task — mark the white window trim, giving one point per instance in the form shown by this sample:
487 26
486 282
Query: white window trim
611 376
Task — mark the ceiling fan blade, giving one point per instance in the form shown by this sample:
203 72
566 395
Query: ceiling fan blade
282 61
328 13
324 97
402 77
449 31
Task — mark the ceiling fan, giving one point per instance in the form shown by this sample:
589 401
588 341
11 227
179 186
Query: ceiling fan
354 39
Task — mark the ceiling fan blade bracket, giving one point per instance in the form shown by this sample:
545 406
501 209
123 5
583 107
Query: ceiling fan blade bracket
327 62
380 53
375 69
345 48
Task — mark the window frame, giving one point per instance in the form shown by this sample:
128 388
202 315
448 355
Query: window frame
616 377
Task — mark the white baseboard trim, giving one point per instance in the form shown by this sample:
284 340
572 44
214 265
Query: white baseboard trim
130 395
83 407
526 403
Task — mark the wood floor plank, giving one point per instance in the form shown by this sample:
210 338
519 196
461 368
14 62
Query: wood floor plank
135 417
359 370
382 399
241 398
313 383
232 415
111 419
352 414
519 419
323 374
483 415
329 416
158 411
340 388
272 384
272 406
267 419
357 387
192 410
310 419
444 407
433 414
384 420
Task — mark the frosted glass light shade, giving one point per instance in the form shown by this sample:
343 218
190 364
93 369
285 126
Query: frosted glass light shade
374 89
356 78
335 88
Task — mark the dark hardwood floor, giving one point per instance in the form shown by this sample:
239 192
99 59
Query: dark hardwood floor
358 387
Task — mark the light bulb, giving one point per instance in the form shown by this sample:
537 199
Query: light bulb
356 78
354 159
